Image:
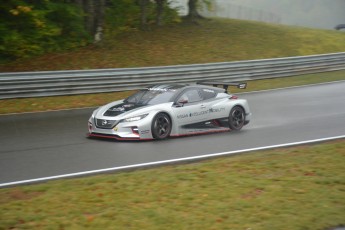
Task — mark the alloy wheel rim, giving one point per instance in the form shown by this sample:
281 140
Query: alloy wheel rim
162 126
237 118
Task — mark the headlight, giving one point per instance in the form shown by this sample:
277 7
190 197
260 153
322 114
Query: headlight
136 118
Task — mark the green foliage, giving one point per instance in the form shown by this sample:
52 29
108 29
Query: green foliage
171 15
70 21
124 15
32 29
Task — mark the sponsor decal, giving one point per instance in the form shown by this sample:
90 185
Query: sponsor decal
217 110
144 131
195 114
119 109
204 112
161 89
128 105
208 90
182 116
115 128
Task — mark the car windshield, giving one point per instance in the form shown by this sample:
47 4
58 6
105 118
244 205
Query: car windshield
150 97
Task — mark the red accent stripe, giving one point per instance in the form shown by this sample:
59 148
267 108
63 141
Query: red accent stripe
216 122
147 139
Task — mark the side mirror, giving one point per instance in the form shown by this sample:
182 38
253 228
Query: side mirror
181 102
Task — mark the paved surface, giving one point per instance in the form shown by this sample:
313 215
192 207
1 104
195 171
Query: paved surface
54 143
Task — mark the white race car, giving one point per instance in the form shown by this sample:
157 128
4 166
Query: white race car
160 111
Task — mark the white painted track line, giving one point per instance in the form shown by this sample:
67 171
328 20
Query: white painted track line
157 163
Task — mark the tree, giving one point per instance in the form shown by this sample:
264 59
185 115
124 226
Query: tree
159 11
34 27
143 13
193 13
94 16
99 20
193 6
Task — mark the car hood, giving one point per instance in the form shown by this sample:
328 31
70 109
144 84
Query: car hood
117 109
120 109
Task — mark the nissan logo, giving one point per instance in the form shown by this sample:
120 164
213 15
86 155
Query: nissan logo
104 122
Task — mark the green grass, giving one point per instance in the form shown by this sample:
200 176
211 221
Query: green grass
292 188
216 40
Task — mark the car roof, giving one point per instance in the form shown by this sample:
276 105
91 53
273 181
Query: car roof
177 89
166 87
181 87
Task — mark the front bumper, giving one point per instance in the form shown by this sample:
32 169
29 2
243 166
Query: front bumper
138 130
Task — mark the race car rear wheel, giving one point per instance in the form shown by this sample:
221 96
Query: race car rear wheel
237 118
161 126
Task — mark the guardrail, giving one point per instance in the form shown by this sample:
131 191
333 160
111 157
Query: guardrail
54 83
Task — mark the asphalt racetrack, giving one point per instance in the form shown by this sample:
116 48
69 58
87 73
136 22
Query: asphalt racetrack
54 144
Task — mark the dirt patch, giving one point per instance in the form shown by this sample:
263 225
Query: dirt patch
18 194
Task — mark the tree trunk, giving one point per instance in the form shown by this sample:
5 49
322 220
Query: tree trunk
193 13
143 9
99 20
94 16
159 13
89 8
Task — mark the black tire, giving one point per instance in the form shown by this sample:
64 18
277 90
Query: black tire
237 118
161 126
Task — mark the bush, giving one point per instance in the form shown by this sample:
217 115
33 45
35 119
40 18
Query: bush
32 29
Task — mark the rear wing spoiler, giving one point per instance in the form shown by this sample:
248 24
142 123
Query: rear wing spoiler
225 85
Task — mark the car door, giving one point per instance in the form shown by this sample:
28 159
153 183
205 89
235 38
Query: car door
215 109
188 108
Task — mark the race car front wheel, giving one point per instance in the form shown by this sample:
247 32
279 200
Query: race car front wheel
236 118
161 126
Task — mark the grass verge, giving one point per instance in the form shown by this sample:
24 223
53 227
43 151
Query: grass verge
293 188
216 40
93 100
